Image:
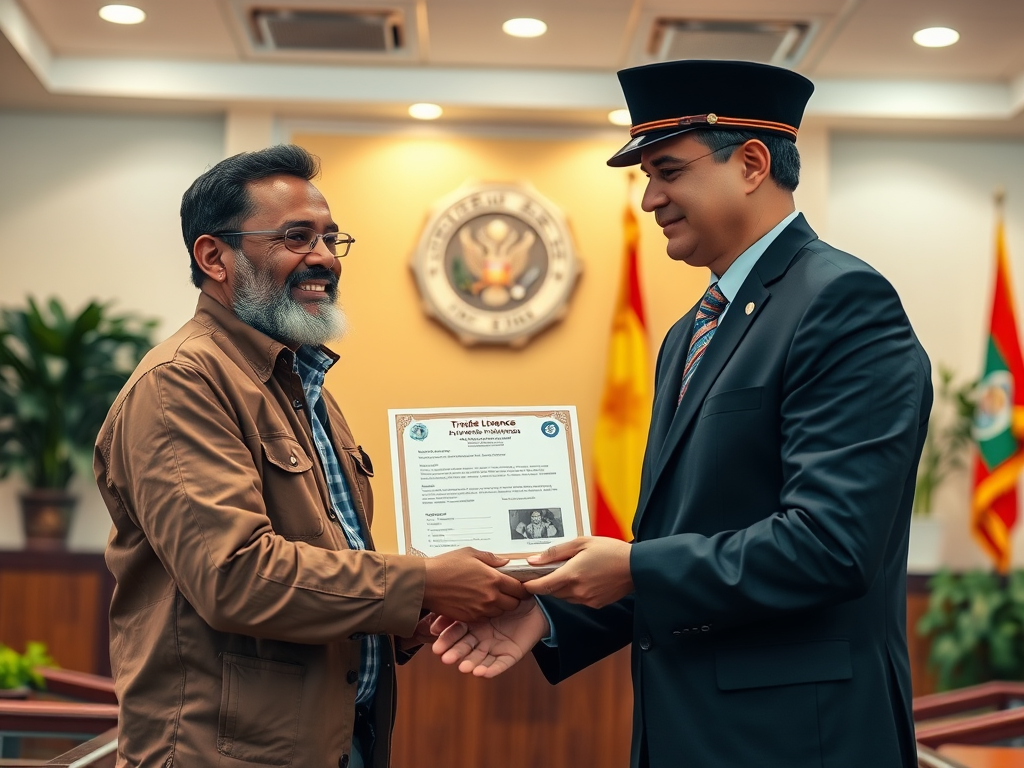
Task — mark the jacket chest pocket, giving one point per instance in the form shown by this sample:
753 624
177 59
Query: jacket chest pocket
290 490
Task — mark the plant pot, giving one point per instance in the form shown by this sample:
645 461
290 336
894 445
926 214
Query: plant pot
46 516
925 552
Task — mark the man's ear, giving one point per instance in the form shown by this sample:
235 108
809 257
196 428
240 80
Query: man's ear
212 255
757 164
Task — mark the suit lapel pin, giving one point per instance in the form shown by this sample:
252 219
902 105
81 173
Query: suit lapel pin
749 308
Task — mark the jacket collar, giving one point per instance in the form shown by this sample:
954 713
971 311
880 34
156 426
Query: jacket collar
671 422
259 350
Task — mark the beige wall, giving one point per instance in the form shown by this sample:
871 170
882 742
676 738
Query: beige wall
380 188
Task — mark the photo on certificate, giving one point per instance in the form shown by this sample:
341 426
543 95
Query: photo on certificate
535 523
505 480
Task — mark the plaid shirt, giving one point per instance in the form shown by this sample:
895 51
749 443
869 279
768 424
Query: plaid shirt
311 365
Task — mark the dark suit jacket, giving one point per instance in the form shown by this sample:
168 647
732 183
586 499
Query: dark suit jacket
768 622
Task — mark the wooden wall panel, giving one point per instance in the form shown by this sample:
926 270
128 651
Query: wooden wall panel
60 598
446 718
922 680
57 608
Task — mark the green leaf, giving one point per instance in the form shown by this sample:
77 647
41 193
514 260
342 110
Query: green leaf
59 374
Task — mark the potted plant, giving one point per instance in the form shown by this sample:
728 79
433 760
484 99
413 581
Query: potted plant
18 673
58 376
945 451
976 624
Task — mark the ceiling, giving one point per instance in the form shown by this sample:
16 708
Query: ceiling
197 55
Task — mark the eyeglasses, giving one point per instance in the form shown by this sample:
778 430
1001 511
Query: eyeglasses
713 151
303 239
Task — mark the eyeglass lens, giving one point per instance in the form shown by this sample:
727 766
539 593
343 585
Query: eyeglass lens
303 240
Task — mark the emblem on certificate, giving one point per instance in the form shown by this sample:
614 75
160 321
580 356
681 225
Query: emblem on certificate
504 480
496 263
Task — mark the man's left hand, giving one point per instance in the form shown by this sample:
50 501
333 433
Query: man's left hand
596 574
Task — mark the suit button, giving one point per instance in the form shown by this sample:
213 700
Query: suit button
357 636
343 761
352 676
296 404
331 516
676 632
645 643
705 628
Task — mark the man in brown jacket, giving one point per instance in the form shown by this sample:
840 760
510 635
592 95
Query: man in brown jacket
251 620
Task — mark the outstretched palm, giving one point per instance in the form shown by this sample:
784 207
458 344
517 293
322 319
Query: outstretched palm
488 648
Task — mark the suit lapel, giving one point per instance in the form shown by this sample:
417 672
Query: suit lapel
673 422
674 362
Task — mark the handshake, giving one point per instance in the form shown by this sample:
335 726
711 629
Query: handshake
485 621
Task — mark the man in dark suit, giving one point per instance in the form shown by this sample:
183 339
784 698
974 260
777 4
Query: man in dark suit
764 591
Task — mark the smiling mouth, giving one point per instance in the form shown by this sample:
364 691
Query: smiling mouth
312 287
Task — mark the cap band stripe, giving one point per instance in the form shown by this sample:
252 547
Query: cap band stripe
712 119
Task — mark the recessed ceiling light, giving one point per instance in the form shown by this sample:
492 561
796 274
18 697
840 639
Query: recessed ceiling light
936 37
524 27
425 111
122 14
620 117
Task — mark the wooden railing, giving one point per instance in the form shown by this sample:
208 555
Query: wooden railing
982 714
94 713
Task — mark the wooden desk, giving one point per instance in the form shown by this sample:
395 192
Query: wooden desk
984 757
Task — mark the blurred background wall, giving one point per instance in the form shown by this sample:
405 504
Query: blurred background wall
89 208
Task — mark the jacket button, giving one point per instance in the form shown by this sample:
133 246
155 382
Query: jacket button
357 636
645 643
676 632
296 404
292 460
352 676
705 628
343 761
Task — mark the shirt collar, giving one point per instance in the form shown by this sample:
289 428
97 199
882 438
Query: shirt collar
729 283
312 364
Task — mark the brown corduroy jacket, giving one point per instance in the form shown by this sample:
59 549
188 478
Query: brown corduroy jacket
238 610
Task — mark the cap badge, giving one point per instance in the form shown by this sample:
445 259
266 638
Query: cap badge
712 118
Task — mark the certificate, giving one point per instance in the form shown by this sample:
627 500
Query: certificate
504 480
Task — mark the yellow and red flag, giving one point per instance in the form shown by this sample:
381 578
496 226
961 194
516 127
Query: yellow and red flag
621 432
998 419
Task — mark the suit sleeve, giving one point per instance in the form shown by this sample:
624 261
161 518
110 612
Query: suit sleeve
585 636
854 406
197 497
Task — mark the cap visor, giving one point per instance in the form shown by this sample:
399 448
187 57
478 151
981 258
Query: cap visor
630 153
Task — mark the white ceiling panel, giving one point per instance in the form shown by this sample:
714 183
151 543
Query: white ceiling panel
877 41
176 29
195 54
580 35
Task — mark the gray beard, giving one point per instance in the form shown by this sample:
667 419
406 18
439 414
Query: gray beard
269 308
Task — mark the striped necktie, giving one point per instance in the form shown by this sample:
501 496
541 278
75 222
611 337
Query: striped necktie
711 308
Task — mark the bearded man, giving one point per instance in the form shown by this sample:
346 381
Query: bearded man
252 621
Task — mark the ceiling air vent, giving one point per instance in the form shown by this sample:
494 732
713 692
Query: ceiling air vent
342 31
782 43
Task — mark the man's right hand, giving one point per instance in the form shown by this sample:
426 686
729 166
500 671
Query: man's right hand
464 585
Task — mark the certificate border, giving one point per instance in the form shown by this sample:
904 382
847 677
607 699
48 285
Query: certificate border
402 420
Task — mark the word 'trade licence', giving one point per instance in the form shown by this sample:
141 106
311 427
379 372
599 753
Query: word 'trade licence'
504 480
